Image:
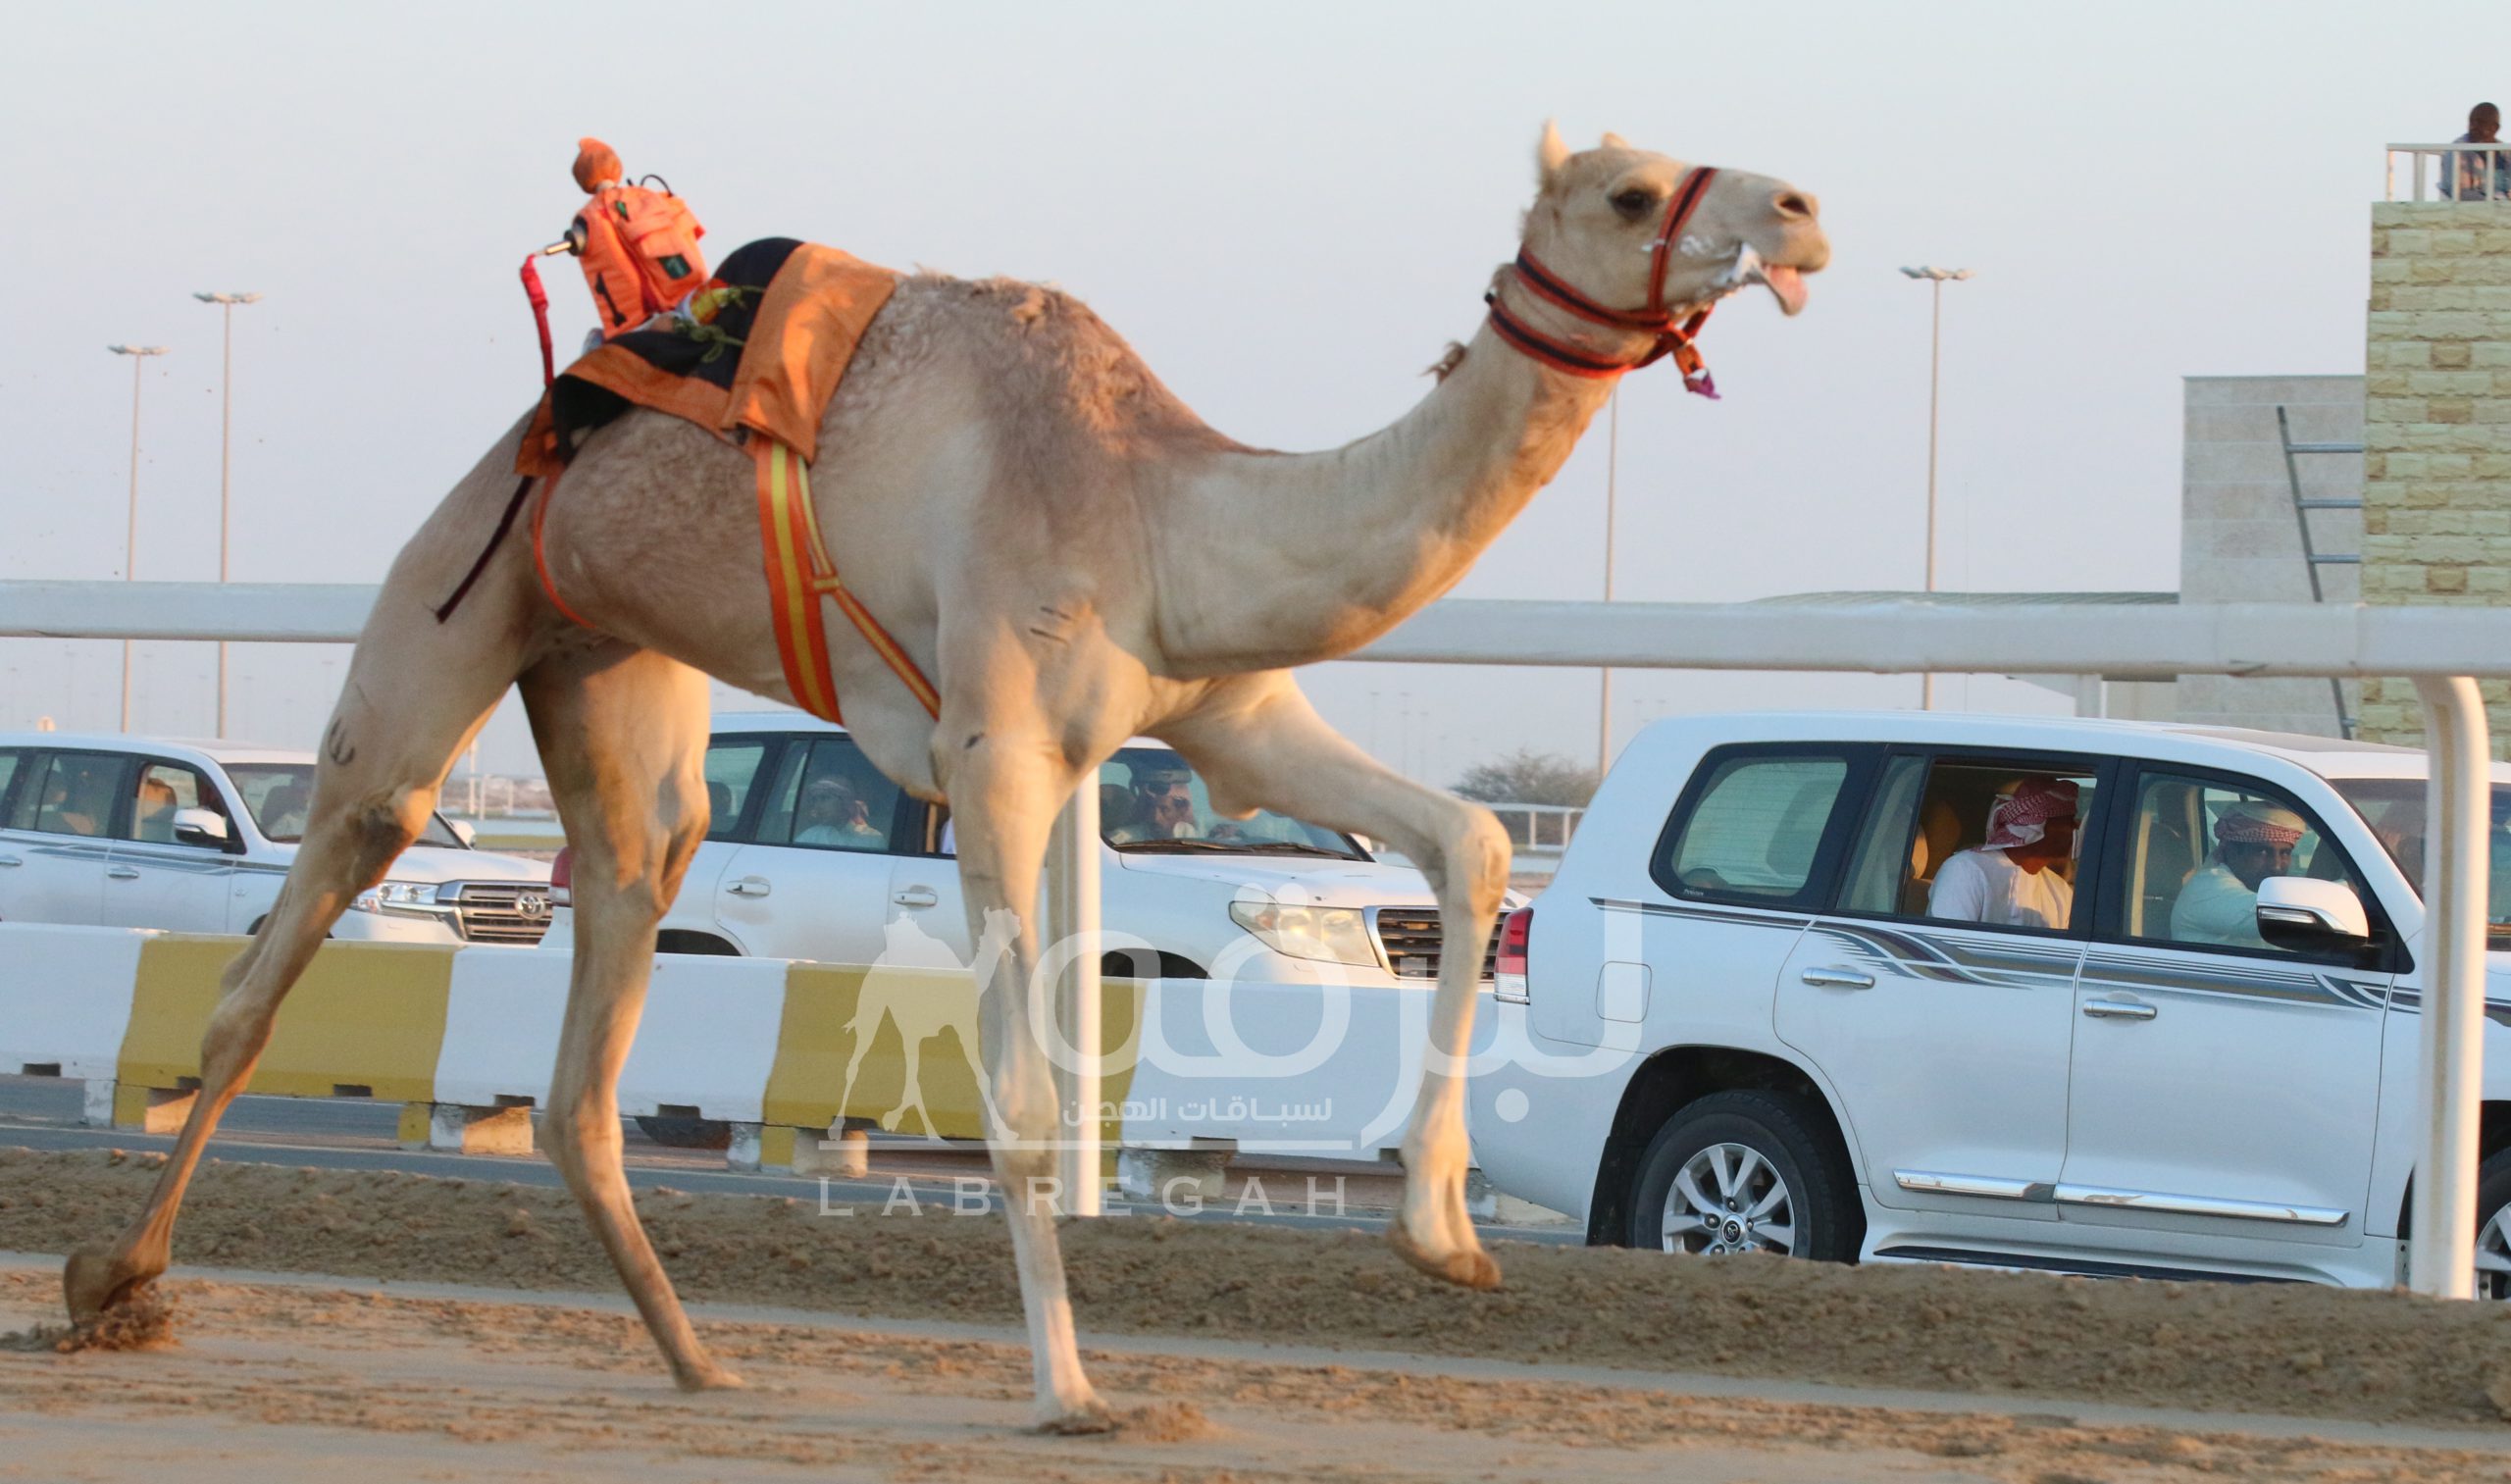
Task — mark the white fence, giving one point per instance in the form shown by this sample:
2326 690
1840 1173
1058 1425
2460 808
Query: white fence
2451 172
2442 649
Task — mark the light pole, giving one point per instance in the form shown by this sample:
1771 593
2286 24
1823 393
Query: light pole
1604 681
1934 361
226 303
140 355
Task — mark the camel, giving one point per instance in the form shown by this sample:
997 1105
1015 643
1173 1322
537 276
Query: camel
1077 559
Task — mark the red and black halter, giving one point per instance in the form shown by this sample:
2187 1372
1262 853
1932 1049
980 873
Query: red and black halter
1670 339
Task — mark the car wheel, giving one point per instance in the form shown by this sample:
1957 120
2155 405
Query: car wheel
1746 1171
2493 1227
680 1132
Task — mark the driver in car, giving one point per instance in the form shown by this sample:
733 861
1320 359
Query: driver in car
1163 806
2253 841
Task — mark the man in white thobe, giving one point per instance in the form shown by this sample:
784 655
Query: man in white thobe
2008 881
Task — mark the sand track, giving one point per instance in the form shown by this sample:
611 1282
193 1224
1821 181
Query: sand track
527 1389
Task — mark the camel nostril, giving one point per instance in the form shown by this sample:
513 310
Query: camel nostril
1795 205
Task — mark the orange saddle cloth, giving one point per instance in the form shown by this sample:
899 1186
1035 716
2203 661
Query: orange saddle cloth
782 319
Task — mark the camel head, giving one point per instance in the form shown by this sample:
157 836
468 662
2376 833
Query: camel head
1596 218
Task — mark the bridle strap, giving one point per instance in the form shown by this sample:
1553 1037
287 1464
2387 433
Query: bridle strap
1670 339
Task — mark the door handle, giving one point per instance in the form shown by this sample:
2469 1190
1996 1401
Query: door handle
1836 978
2119 1009
916 897
11 861
123 873
750 886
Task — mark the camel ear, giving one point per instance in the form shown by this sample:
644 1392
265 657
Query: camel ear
1615 141
1550 154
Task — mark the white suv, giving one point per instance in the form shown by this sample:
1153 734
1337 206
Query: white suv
196 836
1731 1023
812 854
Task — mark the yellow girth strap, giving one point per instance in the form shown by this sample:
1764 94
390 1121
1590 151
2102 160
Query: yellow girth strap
799 574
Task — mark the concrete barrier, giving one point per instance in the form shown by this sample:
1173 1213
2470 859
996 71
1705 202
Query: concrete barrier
799 1059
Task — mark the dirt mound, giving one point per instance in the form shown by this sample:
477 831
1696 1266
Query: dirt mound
2282 1348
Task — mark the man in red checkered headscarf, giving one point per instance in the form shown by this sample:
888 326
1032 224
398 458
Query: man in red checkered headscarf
2007 881
2253 841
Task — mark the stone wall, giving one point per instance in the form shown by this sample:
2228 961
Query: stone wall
2436 490
2240 540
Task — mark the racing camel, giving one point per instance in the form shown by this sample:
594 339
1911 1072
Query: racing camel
1076 559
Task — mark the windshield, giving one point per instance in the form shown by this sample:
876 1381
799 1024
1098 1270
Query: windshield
277 793
1150 800
2394 809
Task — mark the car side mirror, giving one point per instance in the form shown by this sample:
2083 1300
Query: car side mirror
466 832
200 827
2311 916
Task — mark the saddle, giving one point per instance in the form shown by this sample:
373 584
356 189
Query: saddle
754 358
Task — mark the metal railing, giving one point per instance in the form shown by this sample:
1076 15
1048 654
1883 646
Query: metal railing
1539 829
2442 649
2453 171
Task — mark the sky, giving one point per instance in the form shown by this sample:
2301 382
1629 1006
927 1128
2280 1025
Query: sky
1288 210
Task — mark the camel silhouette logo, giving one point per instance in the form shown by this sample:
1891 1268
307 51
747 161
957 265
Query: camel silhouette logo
899 992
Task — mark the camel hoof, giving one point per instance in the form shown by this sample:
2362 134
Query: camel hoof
1467 1267
1086 1420
712 1378
89 1287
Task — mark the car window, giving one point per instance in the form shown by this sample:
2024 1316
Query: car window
1150 801
164 788
829 797
10 759
2197 848
1966 839
1756 827
731 772
78 794
2394 809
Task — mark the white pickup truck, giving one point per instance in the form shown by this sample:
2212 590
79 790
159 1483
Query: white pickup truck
1743 1016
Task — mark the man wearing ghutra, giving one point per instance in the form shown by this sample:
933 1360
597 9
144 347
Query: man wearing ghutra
2007 881
2253 841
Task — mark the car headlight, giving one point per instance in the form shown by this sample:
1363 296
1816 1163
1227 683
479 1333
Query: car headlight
1328 934
411 897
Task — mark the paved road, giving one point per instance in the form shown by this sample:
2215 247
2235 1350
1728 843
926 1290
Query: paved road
355 1133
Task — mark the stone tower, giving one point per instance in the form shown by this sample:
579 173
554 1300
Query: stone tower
2437 462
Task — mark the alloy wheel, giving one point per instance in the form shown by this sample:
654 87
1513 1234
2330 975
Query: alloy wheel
1729 1199
2494 1255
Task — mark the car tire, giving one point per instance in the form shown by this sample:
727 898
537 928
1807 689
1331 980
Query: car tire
2493 1227
675 1130
1764 1172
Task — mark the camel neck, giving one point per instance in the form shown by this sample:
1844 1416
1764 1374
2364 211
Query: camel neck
1283 559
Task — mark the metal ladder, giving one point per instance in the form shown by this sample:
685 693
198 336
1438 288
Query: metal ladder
2311 557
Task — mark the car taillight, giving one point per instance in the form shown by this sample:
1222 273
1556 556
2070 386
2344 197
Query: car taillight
562 876
1508 966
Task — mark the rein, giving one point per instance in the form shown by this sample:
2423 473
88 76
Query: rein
1672 340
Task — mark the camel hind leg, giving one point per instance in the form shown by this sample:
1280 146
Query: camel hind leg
1262 744
414 698
623 734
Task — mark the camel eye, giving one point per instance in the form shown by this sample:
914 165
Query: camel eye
1634 203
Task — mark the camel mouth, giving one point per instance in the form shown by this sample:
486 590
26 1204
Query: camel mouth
1785 283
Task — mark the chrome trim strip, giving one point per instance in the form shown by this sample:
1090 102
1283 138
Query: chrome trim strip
1988 1186
2199 1206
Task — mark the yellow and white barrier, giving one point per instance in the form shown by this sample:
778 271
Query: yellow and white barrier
465 1039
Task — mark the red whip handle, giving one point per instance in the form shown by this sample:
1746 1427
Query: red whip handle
539 297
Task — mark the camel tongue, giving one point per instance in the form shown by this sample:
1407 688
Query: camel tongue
1787 285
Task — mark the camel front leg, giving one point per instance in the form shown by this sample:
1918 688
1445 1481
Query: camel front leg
1004 790
623 734
1260 745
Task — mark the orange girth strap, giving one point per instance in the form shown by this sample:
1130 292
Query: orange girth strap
799 574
